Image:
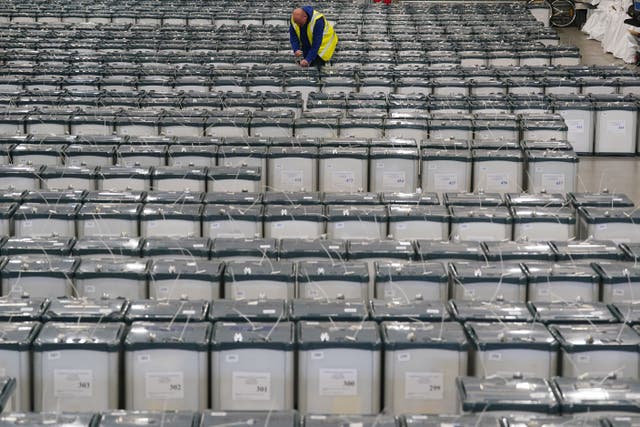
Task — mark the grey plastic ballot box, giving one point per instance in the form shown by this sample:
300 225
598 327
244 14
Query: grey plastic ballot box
252 366
551 170
518 250
343 169
248 418
488 281
228 178
463 420
626 420
433 250
422 362
418 222
108 219
408 282
15 358
41 219
293 168
622 225
7 390
175 310
226 310
446 169
287 221
540 224
50 246
341 310
259 280
414 311
19 177
42 419
582 250
99 310
506 395
122 418
567 312
188 248
170 220
96 277
394 169
39 276
114 246
608 396
497 170
489 311
481 223
244 249
235 221
562 281
192 155
76 366
357 222
330 280
166 366
312 250
620 280
68 177
316 420
598 350
171 278
339 366
508 349
22 308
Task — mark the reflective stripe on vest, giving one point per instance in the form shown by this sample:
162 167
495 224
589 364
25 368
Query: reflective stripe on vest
329 37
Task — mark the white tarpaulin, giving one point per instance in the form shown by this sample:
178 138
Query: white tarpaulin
606 24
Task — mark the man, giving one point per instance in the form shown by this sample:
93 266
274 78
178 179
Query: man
312 37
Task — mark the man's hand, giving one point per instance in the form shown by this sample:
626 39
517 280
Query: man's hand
304 63
298 53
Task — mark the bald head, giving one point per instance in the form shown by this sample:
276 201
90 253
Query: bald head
299 16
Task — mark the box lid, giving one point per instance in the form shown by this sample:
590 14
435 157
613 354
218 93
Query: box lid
121 418
270 310
18 336
170 268
108 196
407 212
65 309
351 199
571 312
586 249
402 311
238 271
314 335
90 268
220 212
300 248
376 213
518 250
423 335
417 199
313 213
550 200
488 336
175 310
271 336
52 196
43 419
259 247
541 272
174 197
506 394
449 250
528 214
36 245
293 199
322 271
15 308
179 246
462 420
178 336
314 420
329 310
98 210
581 337
485 311
79 336
34 265
473 199
601 200
240 418
376 249
597 394
474 272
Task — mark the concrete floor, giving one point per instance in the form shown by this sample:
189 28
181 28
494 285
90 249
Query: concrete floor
617 174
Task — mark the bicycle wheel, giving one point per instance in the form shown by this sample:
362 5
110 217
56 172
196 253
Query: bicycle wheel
563 13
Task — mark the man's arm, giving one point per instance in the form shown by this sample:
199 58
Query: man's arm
293 38
318 32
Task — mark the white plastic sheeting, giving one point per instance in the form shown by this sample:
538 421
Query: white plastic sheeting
606 24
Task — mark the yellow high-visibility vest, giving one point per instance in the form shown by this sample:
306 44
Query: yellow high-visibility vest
329 37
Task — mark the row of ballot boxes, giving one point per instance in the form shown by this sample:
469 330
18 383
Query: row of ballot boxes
316 366
166 278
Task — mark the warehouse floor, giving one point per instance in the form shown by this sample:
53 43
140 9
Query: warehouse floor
619 174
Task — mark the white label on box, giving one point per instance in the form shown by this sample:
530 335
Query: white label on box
445 181
339 225
583 358
53 355
432 166
388 292
553 181
342 178
393 179
338 382
27 223
164 385
231 358
380 165
616 126
497 180
251 386
350 310
401 226
144 358
618 292
72 382
470 293
90 289
90 224
292 177
16 289
269 311
163 289
575 126
278 225
632 396
317 355
494 356
423 385
543 292
527 226
601 226
404 357
153 224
